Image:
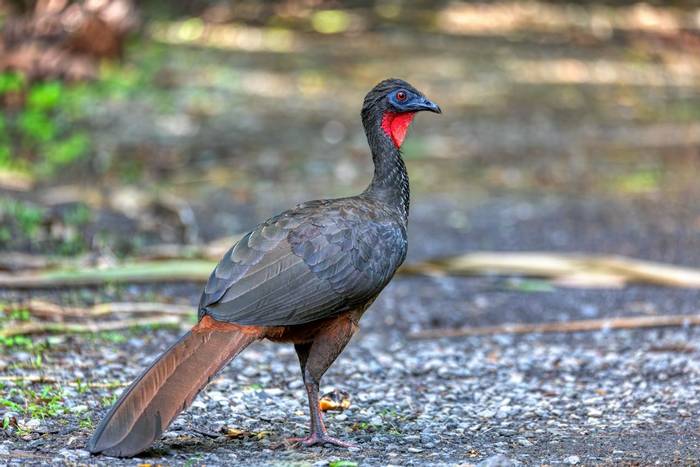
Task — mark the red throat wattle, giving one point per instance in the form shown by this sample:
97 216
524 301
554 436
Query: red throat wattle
396 125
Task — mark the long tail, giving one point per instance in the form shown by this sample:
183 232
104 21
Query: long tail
148 406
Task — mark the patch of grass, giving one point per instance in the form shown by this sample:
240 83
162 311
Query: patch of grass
111 336
11 82
80 386
40 138
47 402
26 217
108 401
640 182
70 247
23 223
16 342
78 215
86 423
35 345
11 315
192 461
342 463
38 361
364 426
5 234
390 423
21 314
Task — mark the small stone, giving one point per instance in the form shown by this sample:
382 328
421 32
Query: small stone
81 453
572 460
32 424
198 404
79 409
499 460
216 395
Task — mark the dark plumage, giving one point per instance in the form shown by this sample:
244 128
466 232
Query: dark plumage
305 276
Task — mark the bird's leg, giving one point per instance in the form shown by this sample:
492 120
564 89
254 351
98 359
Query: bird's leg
315 358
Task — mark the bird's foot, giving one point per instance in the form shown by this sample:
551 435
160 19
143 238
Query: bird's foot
320 440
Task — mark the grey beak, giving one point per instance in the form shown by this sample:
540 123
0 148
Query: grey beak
429 106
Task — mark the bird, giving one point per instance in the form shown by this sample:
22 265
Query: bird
304 277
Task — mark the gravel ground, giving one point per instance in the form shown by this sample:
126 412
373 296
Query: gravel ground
532 164
606 397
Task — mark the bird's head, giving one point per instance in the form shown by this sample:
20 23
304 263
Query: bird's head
391 105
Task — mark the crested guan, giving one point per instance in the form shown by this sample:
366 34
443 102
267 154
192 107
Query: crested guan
305 276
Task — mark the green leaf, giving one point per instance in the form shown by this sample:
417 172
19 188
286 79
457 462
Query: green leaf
11 82
5 155
37 125
64 152
45 96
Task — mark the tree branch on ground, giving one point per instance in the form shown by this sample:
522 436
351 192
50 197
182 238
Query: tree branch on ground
588 325
91 326
565 270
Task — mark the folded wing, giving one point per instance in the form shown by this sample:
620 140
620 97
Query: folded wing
302 266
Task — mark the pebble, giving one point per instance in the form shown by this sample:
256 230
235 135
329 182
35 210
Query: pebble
421 404
499 460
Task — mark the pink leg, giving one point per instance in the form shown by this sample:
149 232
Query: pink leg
315 358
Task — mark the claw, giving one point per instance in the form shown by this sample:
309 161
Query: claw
320 440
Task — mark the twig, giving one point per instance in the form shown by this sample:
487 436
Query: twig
213 250
141 307
44 309
44 327
574 270
566 269
53 311
208 434
586 325
17 261
135 273
51 379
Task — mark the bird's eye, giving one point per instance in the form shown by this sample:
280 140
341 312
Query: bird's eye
401 95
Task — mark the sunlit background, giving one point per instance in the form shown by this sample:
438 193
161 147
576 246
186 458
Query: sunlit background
230 111
138 140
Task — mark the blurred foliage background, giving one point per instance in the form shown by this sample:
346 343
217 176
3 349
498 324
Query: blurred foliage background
125 125
152 130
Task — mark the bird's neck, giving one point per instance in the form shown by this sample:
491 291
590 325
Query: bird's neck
390 181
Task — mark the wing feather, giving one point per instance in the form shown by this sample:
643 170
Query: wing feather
306 264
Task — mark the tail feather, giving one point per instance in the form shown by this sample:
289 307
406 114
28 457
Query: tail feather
166 388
